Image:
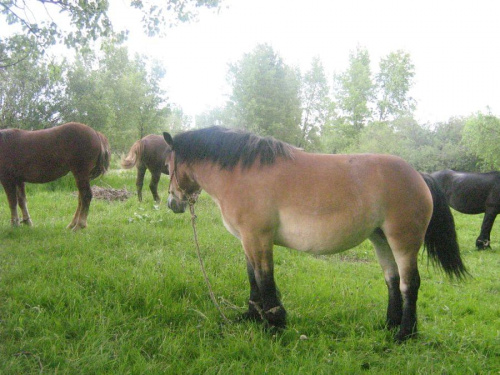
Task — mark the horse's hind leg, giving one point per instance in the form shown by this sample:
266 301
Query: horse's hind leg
391 276
10 191
405 247
21 199
141 171
153 185
483 241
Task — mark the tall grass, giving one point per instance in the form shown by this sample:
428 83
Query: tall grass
126 296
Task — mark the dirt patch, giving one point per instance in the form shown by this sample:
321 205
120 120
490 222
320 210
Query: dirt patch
109 194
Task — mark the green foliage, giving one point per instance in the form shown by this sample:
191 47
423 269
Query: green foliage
354 90
82 22
427 149
316 105
30 94
265 95
393 83
116 95
126 296
482 136
88 21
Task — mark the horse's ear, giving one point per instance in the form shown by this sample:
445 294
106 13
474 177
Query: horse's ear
168 139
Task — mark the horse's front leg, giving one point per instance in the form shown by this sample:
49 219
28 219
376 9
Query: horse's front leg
139 181
254 311
153 185
21 199
259 253
483 241
84 198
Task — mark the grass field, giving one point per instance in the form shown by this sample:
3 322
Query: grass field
126 296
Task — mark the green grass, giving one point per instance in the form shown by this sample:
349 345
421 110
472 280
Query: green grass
126 296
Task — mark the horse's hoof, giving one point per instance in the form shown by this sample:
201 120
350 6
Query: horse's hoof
483 244
276 317
402 337
28 222
250 316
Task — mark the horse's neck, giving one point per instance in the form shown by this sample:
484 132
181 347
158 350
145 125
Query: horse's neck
210 177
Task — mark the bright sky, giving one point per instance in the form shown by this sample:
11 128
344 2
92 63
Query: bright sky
454 46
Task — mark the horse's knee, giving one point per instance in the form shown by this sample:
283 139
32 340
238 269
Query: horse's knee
86 196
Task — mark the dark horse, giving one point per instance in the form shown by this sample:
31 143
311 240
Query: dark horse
473 193
272 193
41 156
150 153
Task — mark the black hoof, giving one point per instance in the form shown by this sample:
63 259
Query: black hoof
402 336
391 326
276 317
483 244
250 316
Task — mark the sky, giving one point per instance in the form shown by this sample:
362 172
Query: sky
454 46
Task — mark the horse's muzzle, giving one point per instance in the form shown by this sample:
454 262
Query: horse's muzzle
176 205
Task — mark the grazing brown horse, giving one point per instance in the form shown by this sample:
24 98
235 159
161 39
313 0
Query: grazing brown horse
41 156
272 193
150 153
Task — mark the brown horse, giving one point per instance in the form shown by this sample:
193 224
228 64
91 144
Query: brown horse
41 156
150 153
272 193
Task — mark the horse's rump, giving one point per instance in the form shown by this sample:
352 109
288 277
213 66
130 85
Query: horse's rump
103 159
134 155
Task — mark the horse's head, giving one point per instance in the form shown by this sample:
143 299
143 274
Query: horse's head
183 189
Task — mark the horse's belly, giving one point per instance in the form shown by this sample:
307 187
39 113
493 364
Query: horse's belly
41 177
322 235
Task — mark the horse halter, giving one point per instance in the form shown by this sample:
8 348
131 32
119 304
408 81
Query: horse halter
191 198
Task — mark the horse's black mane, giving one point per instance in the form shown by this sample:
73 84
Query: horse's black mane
228 147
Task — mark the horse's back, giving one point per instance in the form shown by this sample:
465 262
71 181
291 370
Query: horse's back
330 203
44 155
469 192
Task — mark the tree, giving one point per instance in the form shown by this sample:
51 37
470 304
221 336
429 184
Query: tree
393 83
354 90
30 94
316 105
482 136
88 20
265 95
450 152
214 117
177 121
116 95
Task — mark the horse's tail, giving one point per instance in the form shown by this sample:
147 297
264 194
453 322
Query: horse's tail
441 237
102 164
134 155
